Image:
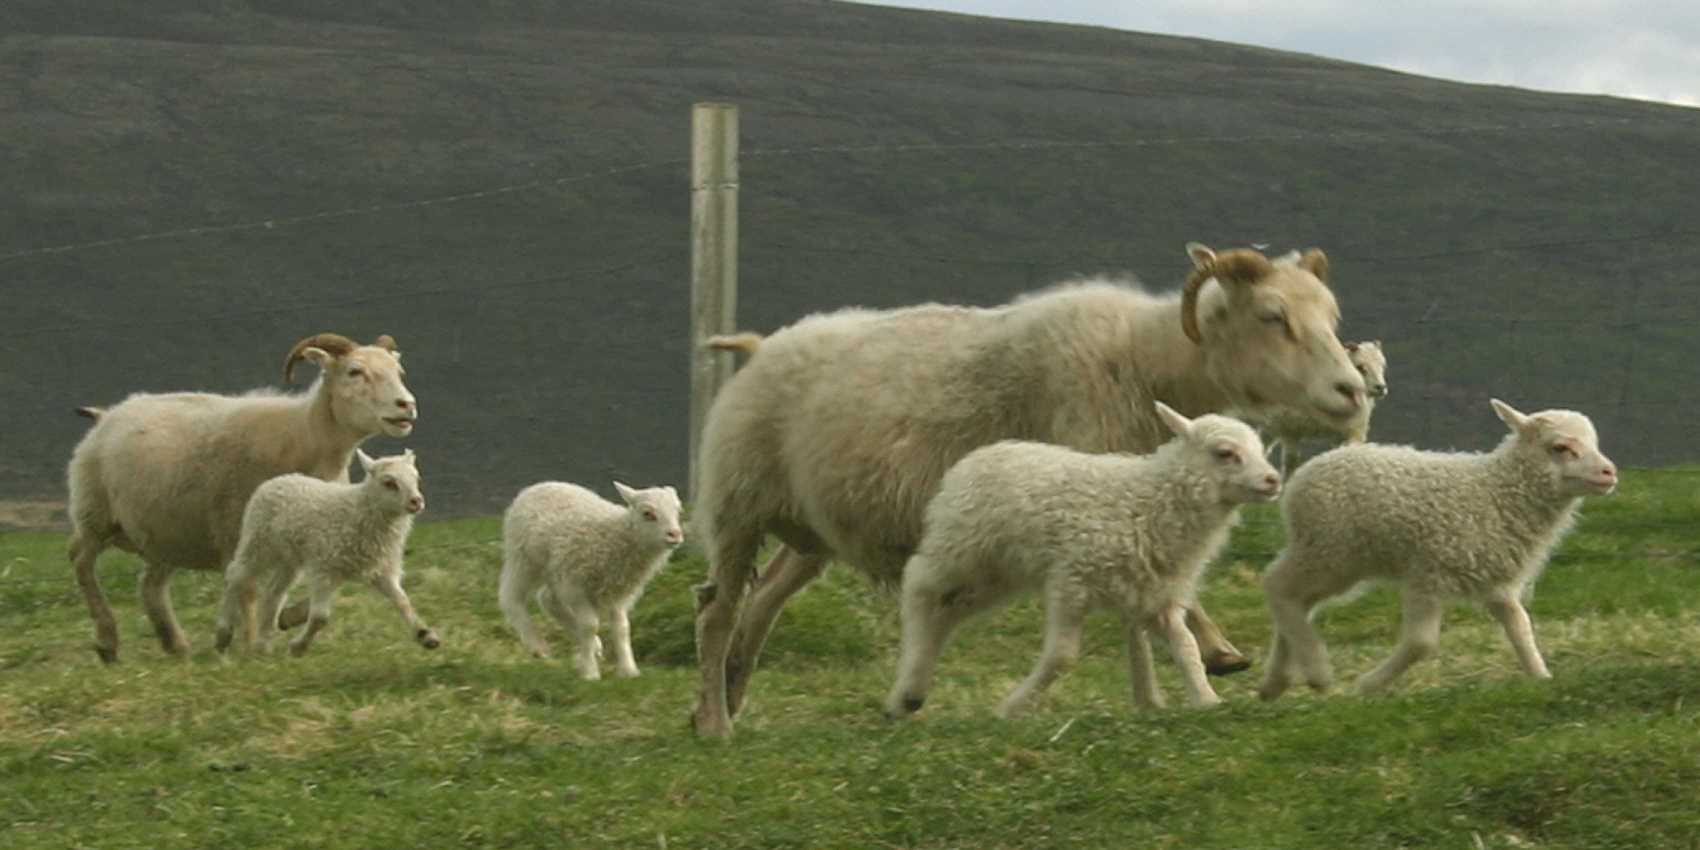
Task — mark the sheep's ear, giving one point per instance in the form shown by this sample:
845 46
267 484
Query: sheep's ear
365 459
1176 422
626 493
1352 346
1509 415
1201 254
1315 262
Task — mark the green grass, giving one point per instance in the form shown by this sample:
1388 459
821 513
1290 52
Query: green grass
371 742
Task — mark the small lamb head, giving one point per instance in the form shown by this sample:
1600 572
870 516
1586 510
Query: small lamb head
1565 442
364 382
655 511
1231 453
395 480
1372 364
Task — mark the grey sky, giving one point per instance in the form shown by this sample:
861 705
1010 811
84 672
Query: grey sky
1630 48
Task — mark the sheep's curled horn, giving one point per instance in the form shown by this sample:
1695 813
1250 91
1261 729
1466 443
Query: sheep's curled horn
335 344
1239 265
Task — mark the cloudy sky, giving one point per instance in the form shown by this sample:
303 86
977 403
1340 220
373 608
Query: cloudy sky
1647 49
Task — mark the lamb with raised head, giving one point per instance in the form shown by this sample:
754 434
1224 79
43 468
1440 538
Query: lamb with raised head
1443 525
1288 427
324 533
167 476
1129 532
584 559
836 433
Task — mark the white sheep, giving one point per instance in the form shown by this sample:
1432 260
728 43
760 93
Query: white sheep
167 476
835 434
1129 532
326 533
1288 427
584 559
1443 525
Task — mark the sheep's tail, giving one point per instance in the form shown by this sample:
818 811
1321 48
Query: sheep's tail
90 412
744 342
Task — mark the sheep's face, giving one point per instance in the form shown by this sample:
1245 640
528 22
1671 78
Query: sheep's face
1228 452
395 481
367 393
1267 333
1371 364
1564 443
654 513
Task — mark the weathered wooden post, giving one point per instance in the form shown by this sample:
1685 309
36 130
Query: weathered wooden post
714 258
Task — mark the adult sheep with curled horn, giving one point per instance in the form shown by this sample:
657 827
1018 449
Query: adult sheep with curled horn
167 476
837 432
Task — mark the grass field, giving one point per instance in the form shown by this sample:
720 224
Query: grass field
372 742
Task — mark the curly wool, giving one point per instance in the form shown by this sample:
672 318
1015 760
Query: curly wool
335 530
560 529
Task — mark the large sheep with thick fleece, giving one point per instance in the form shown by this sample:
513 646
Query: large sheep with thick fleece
1443 525
167 476
325 533
584 559
835 434
1288 427
1128 532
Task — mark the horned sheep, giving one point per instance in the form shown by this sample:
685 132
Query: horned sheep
167 476
584 559
1443 525
1287 428
1128 532
837 431
325 533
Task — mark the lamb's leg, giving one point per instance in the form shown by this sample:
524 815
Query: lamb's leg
575 612
1291 589
1220 656
1065 617
930 613
1515 620
1172 622
1146 693
270 607
787 572
236 606
620 632
388 583
1419 636
156 600
84 553
292 616
733 559
515 598
322 597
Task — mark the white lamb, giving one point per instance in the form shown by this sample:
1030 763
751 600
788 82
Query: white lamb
327 532
1287 426
1131 532
585 558
1444 525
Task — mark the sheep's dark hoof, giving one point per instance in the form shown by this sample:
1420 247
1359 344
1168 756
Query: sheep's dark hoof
428 639
107 655
1223 663
913 704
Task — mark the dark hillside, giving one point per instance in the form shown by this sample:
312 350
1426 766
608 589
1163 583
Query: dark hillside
190 187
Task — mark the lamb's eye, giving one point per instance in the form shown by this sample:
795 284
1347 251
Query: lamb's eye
389 483
1223 453
1560 450
649 515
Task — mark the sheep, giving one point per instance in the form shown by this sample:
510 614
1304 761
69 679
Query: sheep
1443 525
1130 532
1287 427
584 559
837 431
327 532
167 476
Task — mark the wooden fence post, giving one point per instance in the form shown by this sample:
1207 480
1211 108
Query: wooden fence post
714 258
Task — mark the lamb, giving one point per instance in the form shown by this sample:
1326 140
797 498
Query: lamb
167 476
837 431
327 532
1089 530
584 559
1287 427
1443 525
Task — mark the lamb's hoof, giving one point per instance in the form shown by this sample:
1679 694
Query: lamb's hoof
297 650
1223 663
428 639
107 654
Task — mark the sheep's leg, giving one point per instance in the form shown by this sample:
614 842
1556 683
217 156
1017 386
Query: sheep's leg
389 584
1146 693
717 615
1220 656
84 553
322 596
620 632
1419 636
515 599
292 616
575 612
788 572
930 613
1065 618
270 607
156 600
1515 620
1184 649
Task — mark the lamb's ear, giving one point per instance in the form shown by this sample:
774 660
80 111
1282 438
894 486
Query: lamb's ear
1315 262
410 457
1201 254
365 459
1514 420
1351 346
672 492
626 493
1176 422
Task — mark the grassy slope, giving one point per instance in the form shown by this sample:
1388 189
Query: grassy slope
372 742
